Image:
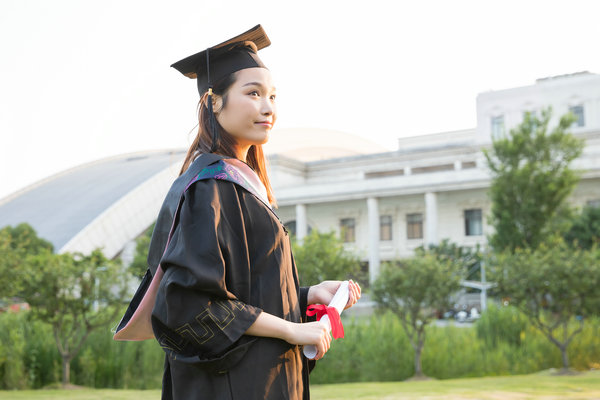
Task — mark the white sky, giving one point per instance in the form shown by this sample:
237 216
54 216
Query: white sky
82 80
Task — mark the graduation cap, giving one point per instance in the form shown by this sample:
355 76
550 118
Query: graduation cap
216 62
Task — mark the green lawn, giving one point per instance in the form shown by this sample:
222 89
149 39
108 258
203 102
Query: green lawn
536 386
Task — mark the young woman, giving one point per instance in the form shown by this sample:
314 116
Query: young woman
229 312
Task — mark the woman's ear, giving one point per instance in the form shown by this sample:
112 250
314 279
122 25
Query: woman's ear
217 103
203 100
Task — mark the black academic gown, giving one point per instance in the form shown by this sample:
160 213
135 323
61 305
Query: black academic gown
229 259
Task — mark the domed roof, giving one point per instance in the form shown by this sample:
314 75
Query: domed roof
80 208
108 202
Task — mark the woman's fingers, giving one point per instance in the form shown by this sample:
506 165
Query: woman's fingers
356 288
323 342
355 293
323 346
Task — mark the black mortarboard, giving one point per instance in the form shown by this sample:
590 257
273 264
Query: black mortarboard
218 61
225 58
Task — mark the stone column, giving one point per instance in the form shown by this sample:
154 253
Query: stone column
301 224
430 218
373 215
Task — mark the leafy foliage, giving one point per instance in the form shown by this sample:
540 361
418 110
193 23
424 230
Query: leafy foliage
468 257
16 243
585 228
501 324
531 178
73 293
322 256
551 285
374 348
139 265
414 289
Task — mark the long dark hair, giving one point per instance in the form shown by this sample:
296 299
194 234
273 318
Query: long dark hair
225 142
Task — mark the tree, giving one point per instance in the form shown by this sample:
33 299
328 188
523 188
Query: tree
139 265
585 228
73 293
531 178
552 285
415 289
469 258
16 243
322 256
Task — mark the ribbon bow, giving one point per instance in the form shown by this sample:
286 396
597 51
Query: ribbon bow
337 329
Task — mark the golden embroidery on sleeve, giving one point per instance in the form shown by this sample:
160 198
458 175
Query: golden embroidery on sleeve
200 332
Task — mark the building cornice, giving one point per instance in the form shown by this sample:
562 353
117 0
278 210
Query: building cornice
455 180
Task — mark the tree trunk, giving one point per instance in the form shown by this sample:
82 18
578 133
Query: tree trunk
66 370
565 358
418 367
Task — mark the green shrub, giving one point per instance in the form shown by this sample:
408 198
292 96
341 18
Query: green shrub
106 363
29 358
501 324
11 356
374 349
41 357
500 343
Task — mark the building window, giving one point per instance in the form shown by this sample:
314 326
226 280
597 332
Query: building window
347 226
497 127
385 227
291 227
532 118
414 226
473 224
578 112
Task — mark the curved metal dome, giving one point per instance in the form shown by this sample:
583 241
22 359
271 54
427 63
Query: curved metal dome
109 202
105 203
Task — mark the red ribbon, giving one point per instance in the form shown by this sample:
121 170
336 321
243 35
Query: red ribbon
337 329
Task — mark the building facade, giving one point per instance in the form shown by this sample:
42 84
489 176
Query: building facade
433 187
386 203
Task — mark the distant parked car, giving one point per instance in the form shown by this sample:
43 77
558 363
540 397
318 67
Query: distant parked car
474 315
461 316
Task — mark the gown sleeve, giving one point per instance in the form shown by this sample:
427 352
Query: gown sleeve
303 300
201 311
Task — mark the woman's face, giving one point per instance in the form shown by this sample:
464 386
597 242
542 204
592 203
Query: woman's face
249 112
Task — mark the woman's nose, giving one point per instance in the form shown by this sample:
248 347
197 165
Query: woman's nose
268 107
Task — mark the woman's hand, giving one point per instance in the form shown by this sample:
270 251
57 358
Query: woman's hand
324 292
314 333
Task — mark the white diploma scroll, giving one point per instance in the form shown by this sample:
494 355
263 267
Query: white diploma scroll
339 301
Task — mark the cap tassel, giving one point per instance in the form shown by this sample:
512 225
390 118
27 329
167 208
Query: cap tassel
212 122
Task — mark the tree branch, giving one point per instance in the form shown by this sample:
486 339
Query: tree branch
58 342
575 332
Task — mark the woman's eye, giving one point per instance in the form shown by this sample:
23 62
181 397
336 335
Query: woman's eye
273 97
253 93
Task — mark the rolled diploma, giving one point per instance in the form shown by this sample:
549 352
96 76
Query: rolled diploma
339 301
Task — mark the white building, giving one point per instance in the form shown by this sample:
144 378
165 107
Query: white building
434 186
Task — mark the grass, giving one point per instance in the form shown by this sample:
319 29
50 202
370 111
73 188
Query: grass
535 386
543 385
81 394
